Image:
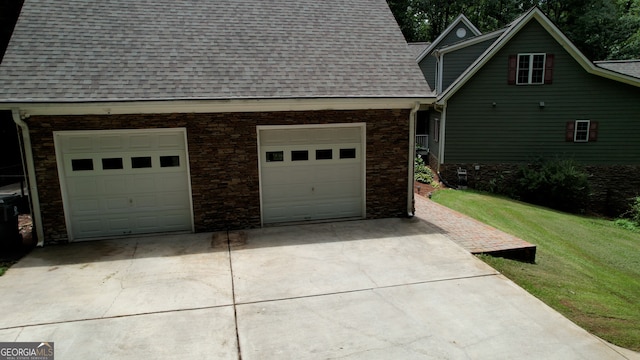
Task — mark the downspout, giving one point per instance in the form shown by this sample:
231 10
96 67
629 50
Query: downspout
412 153
31 173
443 132
442 109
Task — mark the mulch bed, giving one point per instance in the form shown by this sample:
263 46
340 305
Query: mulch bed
427 189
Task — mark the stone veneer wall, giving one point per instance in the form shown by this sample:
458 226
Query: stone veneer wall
612 186
223 158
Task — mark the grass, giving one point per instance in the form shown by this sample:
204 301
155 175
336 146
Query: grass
586 268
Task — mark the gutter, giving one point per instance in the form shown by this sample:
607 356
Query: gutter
34 202
411 210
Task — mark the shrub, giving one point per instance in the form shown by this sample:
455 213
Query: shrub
627 224
557 183
422 172
631 219
634 213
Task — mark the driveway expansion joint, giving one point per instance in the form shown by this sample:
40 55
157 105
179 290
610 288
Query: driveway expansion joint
113 317
365 289
233 297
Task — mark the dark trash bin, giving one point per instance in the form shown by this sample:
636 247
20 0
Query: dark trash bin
9 231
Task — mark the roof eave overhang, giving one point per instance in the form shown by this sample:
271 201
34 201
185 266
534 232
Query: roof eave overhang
537 14
460 19
28 108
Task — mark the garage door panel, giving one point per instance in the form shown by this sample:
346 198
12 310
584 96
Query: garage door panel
143 184
172 181
118 223
173 221
86 206
116 204
110 142
170 141
283 175
287 192
147 223
327 184
336 190
146 191
141 142
349 172
82 186
89 226
347 208
79 144
146 202
172 200
288 212
114 185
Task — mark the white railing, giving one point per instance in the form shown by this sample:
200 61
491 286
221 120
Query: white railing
422 141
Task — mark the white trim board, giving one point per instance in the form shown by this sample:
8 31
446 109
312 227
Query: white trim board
212 106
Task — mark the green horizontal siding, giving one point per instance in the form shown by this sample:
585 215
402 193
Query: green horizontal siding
428 63
456 62
517 129
428 67
434 147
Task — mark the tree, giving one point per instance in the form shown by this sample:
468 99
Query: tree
9 11
601 29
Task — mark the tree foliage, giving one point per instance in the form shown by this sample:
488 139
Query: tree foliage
601 29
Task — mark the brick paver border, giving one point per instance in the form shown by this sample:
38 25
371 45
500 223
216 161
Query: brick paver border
471 234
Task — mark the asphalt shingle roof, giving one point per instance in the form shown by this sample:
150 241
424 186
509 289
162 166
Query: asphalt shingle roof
111 50
417 48
627 67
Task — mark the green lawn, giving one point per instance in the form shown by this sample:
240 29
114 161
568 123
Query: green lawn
586 268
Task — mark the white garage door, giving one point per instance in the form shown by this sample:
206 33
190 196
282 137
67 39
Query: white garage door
311 173
124 182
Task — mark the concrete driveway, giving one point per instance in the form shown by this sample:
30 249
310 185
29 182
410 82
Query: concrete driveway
376 289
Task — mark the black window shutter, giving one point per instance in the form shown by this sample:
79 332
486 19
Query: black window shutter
513 67
548 69
569 131
593 131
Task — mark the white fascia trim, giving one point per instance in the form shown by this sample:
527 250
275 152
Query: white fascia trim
434 44
440 64
214 106
587 64
554 32
472 41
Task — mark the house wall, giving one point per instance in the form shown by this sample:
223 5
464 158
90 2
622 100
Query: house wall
456 62
434 146
428 63
428 67
517 129
223 157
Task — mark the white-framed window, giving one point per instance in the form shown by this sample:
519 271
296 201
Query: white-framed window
530 69
581 131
